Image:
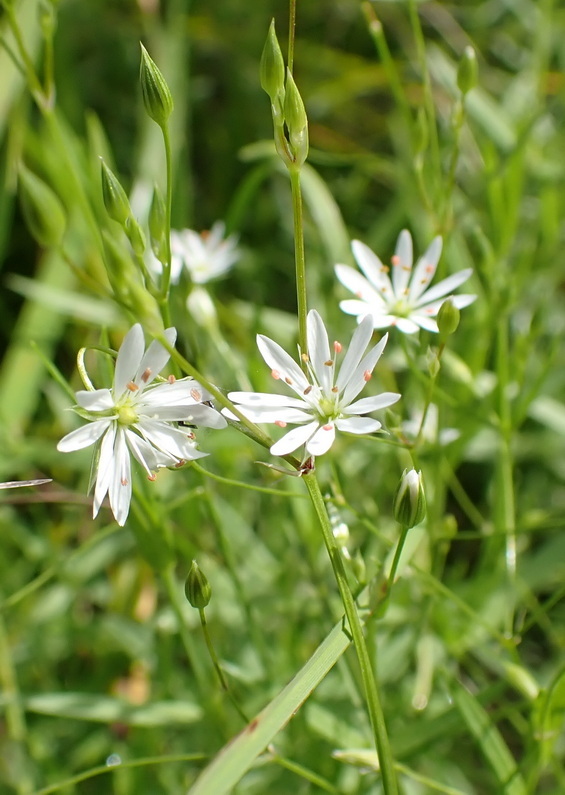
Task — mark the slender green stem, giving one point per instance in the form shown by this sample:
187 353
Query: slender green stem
299 257
34 84
166 282
374 706
291 34
392 574
216 663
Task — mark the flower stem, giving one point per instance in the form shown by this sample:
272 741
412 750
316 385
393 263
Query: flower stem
390 786
392 574
291 32
299 257
166 282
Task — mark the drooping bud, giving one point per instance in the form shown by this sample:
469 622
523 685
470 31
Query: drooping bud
448 317
296 121
158 225
272 69
410 501
467 71
157 97
42 209
115 199
197 588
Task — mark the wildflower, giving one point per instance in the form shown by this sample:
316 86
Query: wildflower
205 256
324 400
139 417
410 501
403 300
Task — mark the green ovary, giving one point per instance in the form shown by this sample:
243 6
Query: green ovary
127 415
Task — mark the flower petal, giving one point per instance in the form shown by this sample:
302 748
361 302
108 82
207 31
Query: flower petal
402 263
359 285
444 287
294 439
155 358
374 270
148 456
365 405
171 441
97 400
358 425
129 357
282 364
425 269
266 399
120 483
105 470
319 351
359 377
270 414
357 346
83 437
322 440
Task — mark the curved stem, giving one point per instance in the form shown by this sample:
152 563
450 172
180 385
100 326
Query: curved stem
374 706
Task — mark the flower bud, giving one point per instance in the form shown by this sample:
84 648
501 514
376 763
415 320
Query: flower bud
135 236
448 317
296 121
432 362
158 225
42 209
197 588
156 94
467 71
272 66
115 199
201 308
410 501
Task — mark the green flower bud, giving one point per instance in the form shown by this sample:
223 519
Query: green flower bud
432 362
156 94
158 225
197 588
115 199
135 236
448 317
42 209
272 68
119 266
467 71
296 121
410 501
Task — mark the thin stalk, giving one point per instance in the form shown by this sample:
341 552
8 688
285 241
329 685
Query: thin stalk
392 574
390 785
166 283
291 34
299 257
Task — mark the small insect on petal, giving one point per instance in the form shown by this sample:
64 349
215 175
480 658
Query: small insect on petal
280 423
338 347
132 387
367 375
146 374
276 375
196 395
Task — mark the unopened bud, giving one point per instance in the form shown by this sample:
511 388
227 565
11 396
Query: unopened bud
448 317
296 121
272 69
135 236
157 97
115 199
197 588
410 501
158 226
42 209
467 71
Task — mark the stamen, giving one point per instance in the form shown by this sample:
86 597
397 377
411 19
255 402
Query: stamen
385 269
146 374
406 268
196 395
124 481
276 375
171 379
367 375
327 427
335 389
307 390
288 381
132 387
429 268
280 423
395 259
152 477
338 347
359 294
424 281
180 463
329 363
305 357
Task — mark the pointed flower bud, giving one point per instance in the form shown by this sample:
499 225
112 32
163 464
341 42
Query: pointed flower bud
115 199
157 97
42 209
296 121
467 71
197 588
272 67
410 501
448 317
158 225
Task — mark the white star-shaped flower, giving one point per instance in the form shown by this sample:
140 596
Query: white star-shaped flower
404 301
326 395
138 417
205 255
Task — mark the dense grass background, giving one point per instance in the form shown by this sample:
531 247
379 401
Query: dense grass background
95 660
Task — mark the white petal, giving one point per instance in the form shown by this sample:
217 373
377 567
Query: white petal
402 263
271 414
425 270
83 437
366 366
365 405
156 357
148 456
171 441
409 325
120 483
357 346
106 468
266 399
129 357
294 439
374 270
97 400
319 350
322 440
359 285
358 425
282 364
444 287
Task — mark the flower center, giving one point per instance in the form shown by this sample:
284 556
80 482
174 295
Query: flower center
327 408
127 415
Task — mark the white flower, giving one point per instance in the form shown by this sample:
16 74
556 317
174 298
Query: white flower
205 255
138 417
325 398
402 301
